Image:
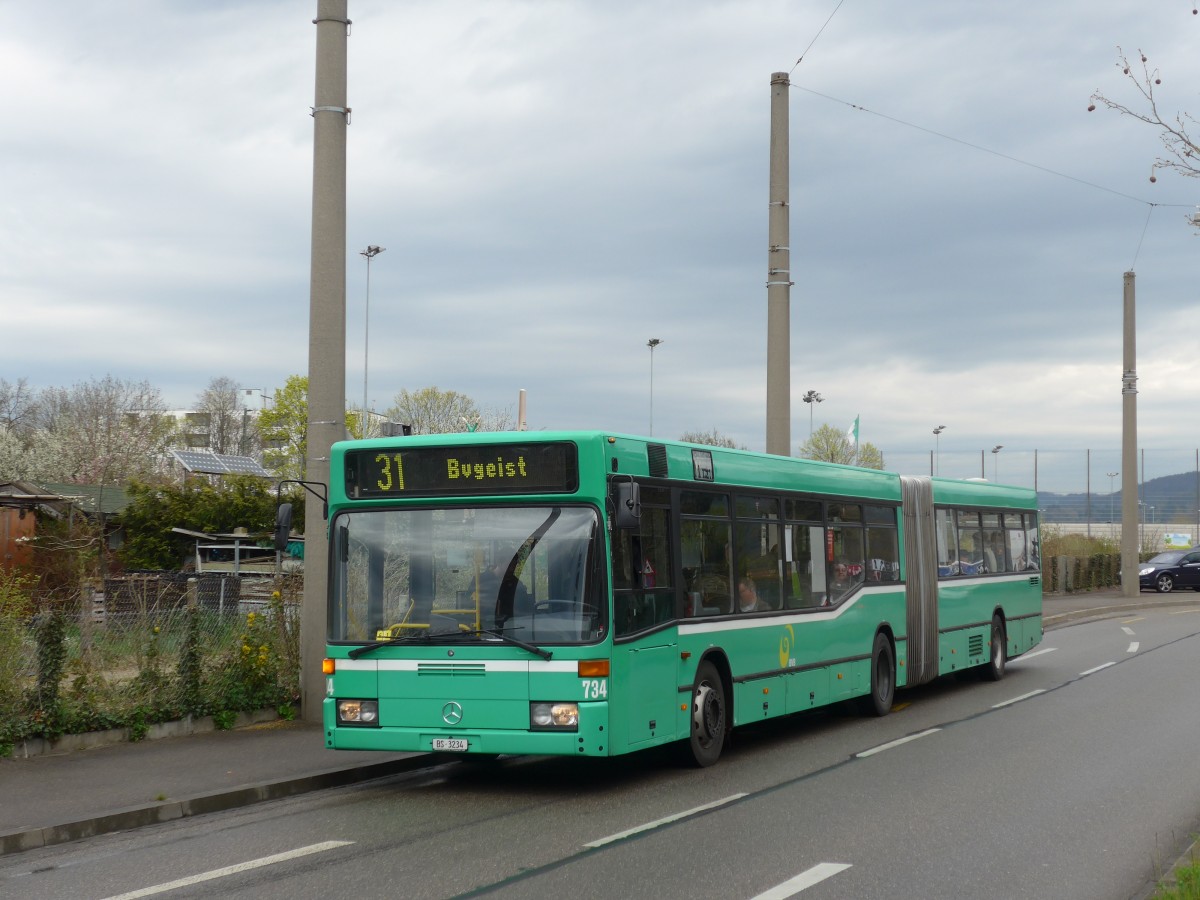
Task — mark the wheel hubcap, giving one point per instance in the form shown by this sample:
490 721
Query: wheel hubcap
706 713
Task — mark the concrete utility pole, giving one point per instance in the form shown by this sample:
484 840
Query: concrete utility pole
326 331
1129 482
779 283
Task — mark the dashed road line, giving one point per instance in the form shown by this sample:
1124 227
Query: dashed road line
1025 656
232 870
665 820
1017 699
803 881
896 743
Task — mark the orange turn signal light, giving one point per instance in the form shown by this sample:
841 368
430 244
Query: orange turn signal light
593 668
328 666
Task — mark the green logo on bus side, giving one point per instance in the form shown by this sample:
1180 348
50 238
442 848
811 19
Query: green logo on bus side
786 643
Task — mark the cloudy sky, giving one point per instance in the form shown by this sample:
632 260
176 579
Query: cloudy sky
555 183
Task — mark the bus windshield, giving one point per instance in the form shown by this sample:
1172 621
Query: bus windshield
467 574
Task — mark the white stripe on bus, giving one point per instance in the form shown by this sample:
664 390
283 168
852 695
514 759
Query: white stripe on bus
488 665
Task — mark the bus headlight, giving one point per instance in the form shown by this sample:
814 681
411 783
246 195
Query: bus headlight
358 712
554 716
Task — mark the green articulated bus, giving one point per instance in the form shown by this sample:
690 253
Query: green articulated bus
594 594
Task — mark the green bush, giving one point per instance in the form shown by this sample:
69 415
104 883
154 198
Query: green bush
233 502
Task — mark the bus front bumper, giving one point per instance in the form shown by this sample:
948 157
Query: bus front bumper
589 738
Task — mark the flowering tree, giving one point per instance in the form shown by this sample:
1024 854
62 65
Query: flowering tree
433 411
831 445
103 431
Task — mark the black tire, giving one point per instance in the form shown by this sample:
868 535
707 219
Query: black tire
994 670
1164 583
883 679
710 717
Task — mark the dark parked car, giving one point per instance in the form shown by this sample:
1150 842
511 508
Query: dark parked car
1170 570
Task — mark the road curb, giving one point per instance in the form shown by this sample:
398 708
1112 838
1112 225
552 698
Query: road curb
169 810
1057 620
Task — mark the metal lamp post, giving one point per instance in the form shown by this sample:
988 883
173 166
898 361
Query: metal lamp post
810 398
937 449
370 253
652 343
996 462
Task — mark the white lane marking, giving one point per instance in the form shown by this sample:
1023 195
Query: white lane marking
232 870
1035 653
665 820
1133 647
804 880
1129 631
1098 668
890 744
1017 699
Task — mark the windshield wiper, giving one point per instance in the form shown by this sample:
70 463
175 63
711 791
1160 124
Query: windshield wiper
423 636
501 636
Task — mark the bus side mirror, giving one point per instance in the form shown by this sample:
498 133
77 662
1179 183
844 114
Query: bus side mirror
628 503
283 525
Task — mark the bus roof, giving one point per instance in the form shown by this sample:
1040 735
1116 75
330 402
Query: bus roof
648 457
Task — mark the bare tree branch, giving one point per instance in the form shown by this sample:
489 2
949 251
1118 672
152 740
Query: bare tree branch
1175 133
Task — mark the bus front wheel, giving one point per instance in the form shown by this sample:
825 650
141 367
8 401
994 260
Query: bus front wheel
883 678
708 716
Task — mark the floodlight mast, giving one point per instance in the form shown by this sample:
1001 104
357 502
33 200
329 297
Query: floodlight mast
370 253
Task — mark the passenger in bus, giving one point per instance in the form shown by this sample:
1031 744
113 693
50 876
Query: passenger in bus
748 599
994 553
840 585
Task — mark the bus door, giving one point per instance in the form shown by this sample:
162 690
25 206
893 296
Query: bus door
645 648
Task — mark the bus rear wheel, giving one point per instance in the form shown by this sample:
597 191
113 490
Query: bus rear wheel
708 716
883 679
994 670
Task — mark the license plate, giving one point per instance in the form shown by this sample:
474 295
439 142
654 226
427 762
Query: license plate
455 745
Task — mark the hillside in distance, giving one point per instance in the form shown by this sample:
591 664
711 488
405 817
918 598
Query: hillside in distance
1166 500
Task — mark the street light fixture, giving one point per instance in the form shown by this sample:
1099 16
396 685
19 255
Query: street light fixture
937 441
996 462
652 343
370 253
810 398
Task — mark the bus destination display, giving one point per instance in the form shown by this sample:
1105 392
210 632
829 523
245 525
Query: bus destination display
433 471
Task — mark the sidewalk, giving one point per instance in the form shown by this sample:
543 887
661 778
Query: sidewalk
59 797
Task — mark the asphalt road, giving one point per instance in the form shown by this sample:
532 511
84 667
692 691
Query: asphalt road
1075 777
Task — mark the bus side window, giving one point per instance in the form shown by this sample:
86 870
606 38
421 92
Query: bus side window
643 595
882 554
705 544
947 543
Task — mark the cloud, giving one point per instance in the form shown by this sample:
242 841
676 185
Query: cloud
556 183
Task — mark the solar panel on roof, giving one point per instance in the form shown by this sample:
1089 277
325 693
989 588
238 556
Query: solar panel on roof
208 463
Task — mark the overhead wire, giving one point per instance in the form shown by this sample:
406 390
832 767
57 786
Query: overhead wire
1099 187
817 35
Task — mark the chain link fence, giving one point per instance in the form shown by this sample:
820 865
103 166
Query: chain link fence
146 648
